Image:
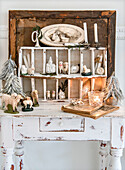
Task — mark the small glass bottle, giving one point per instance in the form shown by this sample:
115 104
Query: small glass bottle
48 95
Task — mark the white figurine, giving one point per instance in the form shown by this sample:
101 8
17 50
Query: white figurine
34 95
23 69
47 68
13 100
28 101
65 67
37 37
53 94
50 67
85 69
100 70
98 62
60 67
31 70
53 68
74 69
61 94
48 94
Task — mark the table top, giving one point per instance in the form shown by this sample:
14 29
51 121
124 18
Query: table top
53 109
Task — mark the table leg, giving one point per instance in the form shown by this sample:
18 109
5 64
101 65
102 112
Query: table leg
7 159
103 156
19 155
115 162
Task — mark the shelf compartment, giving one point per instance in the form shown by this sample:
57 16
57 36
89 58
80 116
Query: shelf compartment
102 53
75 59
62 56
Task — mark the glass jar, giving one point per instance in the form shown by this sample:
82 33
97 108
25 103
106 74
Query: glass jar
95 98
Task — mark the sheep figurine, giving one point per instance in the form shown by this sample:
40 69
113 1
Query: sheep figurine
34 95
61 67
31 70
11 102
86 71
65 67
27 105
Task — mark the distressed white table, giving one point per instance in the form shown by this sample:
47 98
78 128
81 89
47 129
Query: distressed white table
49 123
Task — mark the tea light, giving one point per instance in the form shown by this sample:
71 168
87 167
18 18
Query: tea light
95 98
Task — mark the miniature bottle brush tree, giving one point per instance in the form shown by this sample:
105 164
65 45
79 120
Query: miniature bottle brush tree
12 83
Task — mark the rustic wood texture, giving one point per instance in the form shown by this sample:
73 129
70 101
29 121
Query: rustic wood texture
21 23
95 115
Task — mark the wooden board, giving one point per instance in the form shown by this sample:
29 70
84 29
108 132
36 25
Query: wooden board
81 108
21 23
101 111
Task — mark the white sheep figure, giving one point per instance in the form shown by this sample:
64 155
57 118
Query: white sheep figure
34 95
65 67
61 67
28 101
11 99
85 69
31 70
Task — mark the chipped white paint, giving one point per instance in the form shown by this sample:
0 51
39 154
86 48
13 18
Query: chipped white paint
19 155
103 152
115 162
118 129
48 122
61 124
7 160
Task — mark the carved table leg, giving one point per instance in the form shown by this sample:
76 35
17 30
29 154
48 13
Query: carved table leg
7 159
19 155
103 156
115 162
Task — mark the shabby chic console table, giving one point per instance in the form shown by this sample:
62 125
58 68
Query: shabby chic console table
49 123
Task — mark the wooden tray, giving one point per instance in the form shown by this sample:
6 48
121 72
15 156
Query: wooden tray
95 114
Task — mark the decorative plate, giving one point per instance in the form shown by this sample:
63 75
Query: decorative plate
59 34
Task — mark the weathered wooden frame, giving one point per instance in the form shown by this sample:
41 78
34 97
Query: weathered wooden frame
109 16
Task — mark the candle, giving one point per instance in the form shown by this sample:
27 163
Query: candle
95 98
95 33
85 32
92 84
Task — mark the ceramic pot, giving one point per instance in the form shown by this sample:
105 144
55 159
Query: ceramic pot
111 101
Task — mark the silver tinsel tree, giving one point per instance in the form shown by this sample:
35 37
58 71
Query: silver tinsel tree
113 89
12 83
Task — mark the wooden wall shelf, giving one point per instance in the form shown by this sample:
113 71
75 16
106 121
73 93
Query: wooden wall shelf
39 56
21 23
